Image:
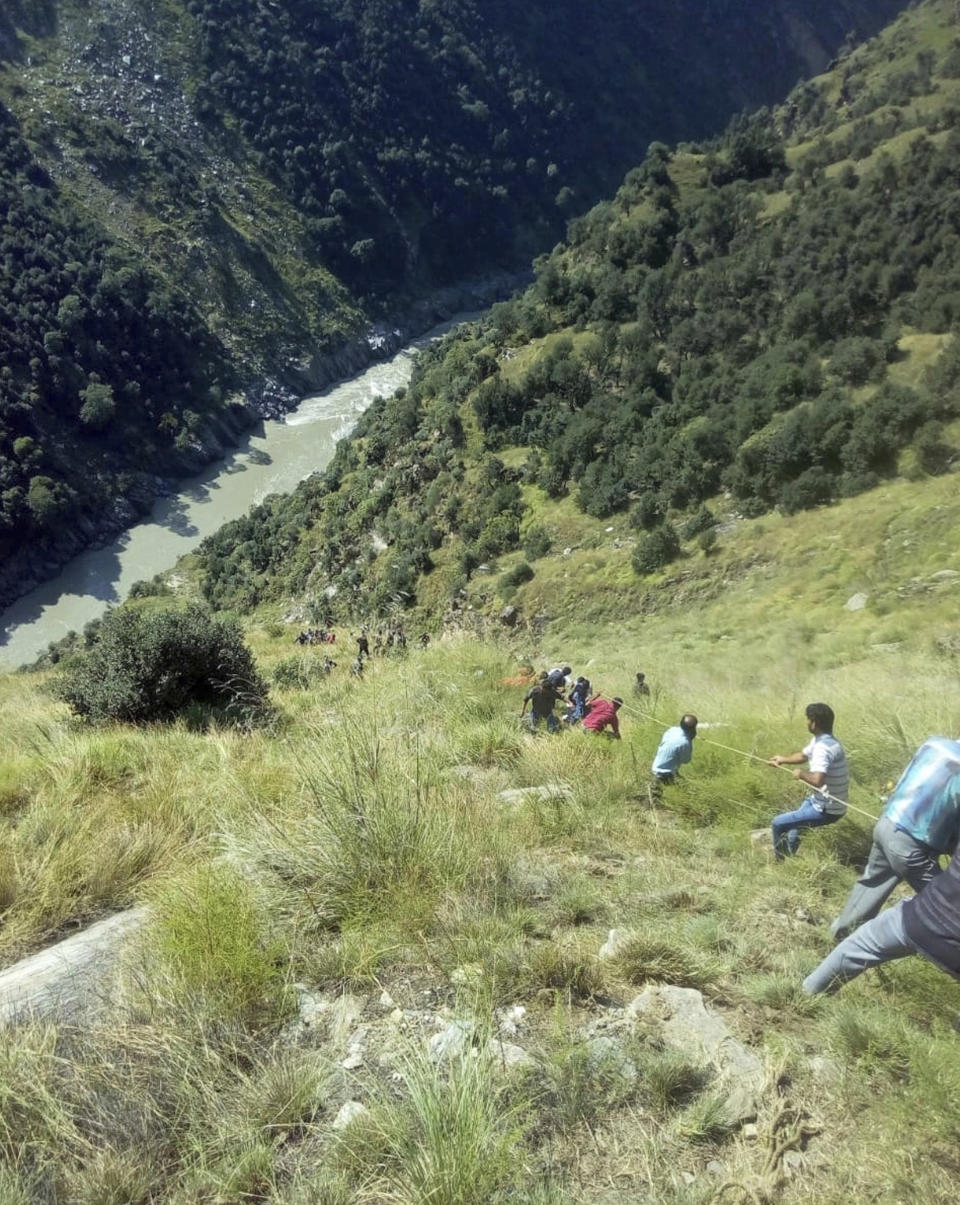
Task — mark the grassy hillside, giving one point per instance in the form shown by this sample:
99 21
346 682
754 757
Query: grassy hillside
358 852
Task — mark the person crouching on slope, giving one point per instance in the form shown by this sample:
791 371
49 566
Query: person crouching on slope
675 749
920 822
827 772
600 714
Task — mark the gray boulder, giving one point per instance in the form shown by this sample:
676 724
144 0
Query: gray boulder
686 1024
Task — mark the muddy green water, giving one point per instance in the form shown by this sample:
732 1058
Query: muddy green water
270 462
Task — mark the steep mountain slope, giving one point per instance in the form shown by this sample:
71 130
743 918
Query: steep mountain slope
395 869
200 195
766 321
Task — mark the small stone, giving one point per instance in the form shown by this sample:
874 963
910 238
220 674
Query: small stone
688 1177
823 1068
350 1112
750 1130
716 1168
509 1020
856 602
387 1002
616 941
463 976
455 1040
509 1055
397 1016
353 1060
552 790
311 1008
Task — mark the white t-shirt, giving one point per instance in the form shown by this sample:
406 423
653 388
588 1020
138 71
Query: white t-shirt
825 755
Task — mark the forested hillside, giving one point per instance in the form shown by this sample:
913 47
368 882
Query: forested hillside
764 321
200 195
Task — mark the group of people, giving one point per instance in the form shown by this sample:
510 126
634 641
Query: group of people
386 639
920 823
316 636
583 706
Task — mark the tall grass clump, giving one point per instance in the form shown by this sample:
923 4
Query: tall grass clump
454 1138
375 833
213 946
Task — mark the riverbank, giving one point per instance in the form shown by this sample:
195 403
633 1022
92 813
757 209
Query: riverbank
266 398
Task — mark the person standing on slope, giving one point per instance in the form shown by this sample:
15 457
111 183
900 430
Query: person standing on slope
542 699
578 698
927 924
920 822
827 773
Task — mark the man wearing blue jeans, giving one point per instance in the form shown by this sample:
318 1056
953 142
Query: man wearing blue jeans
827 772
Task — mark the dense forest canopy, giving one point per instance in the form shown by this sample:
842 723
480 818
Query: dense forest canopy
736 320
201 194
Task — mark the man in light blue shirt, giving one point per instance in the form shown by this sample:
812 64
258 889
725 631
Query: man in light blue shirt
920 822
676 749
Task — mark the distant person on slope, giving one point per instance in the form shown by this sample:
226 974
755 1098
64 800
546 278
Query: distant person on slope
675 749
920 822
827 773
928 924
542 699
640 687
602 713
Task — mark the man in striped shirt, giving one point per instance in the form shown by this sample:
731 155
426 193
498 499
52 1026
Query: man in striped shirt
826 772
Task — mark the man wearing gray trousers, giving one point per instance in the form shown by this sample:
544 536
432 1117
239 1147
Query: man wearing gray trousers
920 822
928 924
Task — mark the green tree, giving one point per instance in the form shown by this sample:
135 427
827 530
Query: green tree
148 666
98 406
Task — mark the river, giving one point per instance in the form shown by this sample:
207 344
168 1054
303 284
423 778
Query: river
271 461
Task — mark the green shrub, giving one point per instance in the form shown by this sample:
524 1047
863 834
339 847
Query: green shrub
209 935
146 667
536 543
298 673
702 521
517 575
656 549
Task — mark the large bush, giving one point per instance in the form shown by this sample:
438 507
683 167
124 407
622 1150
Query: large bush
656 549
149 666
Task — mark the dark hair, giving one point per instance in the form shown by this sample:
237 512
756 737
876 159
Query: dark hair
689 723
617 701
822 716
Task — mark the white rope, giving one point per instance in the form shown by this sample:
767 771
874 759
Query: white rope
753 757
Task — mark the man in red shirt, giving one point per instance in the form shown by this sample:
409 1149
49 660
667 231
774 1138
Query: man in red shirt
602 712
